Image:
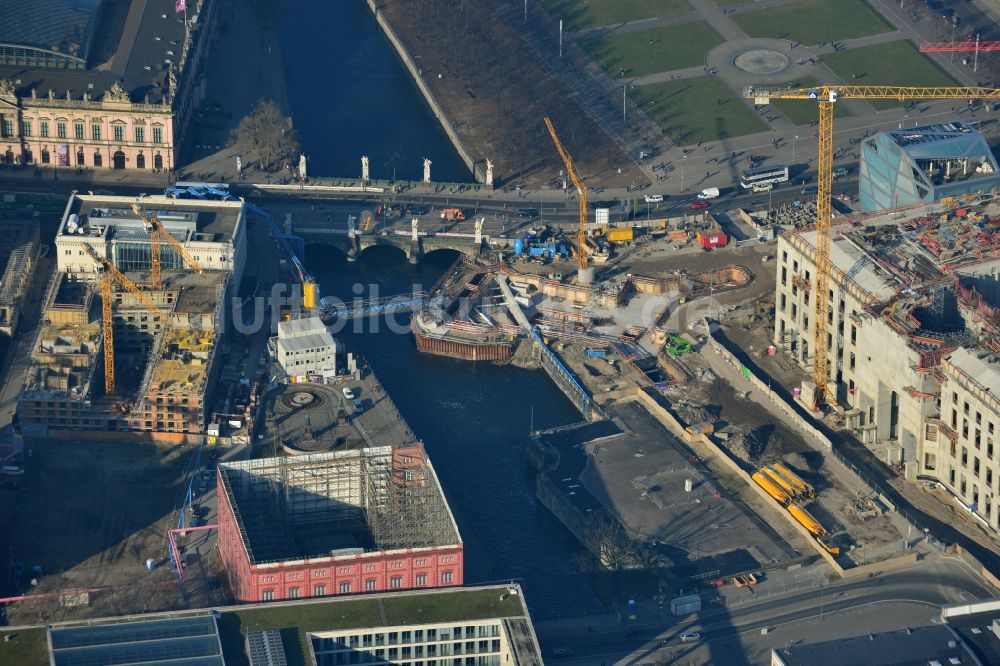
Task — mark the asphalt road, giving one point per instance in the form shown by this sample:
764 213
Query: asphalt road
844 608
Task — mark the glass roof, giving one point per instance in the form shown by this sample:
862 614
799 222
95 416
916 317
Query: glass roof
63 26
186 641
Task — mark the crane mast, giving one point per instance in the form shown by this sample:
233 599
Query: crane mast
156 232
826 97
584 275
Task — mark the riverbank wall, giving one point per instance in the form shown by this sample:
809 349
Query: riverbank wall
446 124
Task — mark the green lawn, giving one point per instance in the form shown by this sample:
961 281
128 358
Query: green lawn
26 647
813 21
892 63
801 112
294 620
649 51
580 14
701 109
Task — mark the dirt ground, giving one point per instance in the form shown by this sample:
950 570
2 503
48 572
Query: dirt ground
754 437
477 61
90 516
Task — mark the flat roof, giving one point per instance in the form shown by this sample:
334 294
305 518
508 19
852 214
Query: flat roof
134 43
849 260
189 220
28 645
977 631
310 341
301 325
919 646
924 135
336 504
184 362
173 641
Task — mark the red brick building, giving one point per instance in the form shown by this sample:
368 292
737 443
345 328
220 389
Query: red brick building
368 520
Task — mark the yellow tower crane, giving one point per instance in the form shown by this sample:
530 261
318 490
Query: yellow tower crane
157 232
111 273
584 276
826 97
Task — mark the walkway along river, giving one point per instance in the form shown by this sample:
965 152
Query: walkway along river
474 420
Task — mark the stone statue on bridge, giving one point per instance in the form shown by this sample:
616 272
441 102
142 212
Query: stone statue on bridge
364 170
489 174
479 230
427 171
414 225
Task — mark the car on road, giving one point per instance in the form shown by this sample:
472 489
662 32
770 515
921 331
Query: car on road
689 636
947 13
561 653
839 172
527 212
416 210
809 189
699 205
348 393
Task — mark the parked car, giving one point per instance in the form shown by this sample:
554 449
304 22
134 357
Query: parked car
527 212
699 205
840 172
348 393
809 189
689 636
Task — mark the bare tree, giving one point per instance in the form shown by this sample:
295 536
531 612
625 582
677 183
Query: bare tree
265 136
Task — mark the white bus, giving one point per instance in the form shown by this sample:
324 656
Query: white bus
763 175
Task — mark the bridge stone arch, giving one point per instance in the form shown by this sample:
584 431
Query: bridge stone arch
365 243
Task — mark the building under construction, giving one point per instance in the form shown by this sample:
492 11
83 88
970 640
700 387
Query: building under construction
914 338
125 347
19 251
363 520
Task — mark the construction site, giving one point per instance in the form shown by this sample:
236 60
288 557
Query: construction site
132 318
363 520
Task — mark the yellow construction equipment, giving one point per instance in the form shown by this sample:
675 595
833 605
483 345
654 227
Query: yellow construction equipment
156 232
801 487
109 340
807 521
581 234
774 491
110 272
826 97
777 480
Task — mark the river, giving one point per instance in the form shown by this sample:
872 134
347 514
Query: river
351 96
474 420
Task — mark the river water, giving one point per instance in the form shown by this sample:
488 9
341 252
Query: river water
351 96
474 420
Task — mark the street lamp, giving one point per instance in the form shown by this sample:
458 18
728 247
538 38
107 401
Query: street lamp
794 139
683 162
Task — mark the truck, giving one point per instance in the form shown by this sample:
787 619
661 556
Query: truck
709 193
455 214
654 198
621 235
685 605
746 580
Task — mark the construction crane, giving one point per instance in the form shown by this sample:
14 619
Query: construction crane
584 275
967 46
111 273
826 97
156 232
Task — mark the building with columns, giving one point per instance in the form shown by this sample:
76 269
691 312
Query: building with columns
101 84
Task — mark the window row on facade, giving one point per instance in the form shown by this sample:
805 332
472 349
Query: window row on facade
347 587
80 131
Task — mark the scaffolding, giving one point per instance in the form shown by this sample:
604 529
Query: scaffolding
347 502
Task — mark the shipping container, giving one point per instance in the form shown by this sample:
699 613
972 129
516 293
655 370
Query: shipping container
710 239
518 246
620 235
685 605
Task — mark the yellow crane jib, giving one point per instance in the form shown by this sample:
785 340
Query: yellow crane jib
156 227
129 286
581 234
825 98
